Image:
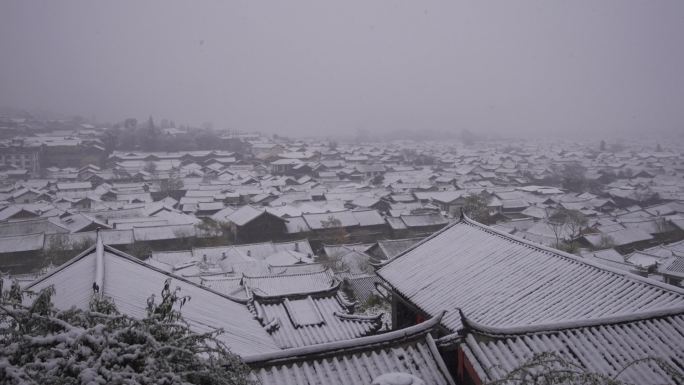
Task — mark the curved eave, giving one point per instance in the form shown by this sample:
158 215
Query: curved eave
332 290
359 318
478 328
347 345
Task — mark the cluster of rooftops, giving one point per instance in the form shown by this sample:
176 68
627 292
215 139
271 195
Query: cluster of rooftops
284 246
373 191
469 304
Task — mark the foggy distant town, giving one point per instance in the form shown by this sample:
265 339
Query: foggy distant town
368 193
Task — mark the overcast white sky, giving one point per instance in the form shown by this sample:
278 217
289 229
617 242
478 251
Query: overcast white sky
318 67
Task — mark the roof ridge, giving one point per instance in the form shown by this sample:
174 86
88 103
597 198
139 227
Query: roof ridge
168 251
399 240
562 254
566 325
344 244
334 288
358 317
346 345
648 254
300 265
252 244
327 269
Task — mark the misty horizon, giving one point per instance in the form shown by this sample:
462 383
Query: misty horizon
610 68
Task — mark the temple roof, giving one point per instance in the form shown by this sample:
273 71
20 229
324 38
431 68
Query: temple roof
129 282
358 361
501 280
638 343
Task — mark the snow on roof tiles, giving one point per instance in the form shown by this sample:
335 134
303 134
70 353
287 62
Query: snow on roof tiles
334 251
620 237
302 268
318 221
365 201
313 320
246 214
74 185
358 361
295 225
227 285
420 220
500 280
172 258
129 282
288 257
603 347
368 218
257 251
276 285
222 215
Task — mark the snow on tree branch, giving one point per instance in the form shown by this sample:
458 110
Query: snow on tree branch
40 344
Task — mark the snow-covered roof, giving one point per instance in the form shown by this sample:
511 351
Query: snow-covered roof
534 212
604 346
609 257
11 211
365 201
358 361
130 282
246 214
334 251
283 285
313 319
503 280
422 220
619 238
369 218
255 251
393 247
296 225
172 258
74 185
222 215
319 221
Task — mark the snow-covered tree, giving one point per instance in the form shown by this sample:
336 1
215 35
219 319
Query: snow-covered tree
475 206
40 344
